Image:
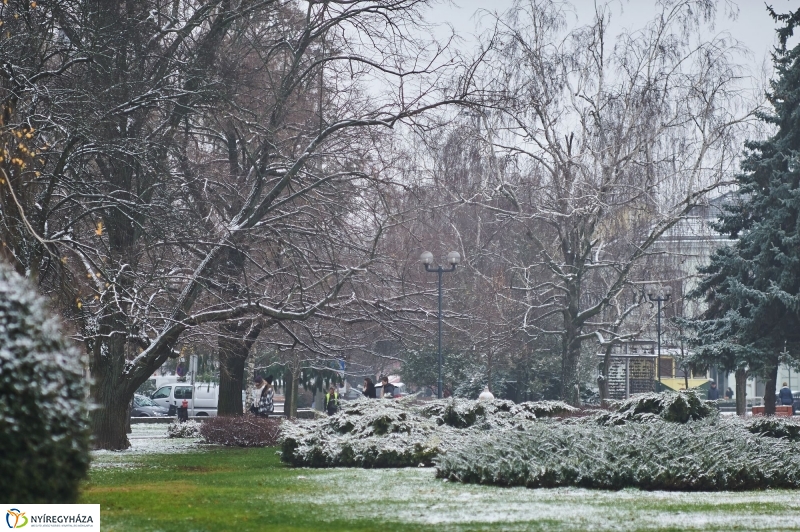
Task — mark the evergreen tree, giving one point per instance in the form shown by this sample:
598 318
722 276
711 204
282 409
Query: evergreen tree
752 287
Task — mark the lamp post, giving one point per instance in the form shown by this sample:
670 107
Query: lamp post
661 295
453 258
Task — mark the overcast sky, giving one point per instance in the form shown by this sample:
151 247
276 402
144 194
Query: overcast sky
753 26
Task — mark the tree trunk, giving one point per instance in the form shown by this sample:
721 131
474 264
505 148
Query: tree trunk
603 380
128 429
489 371
110 420
251 374
232 357
232 339
295 383
235 341
289 398
769 391
110 390
569 370
741 393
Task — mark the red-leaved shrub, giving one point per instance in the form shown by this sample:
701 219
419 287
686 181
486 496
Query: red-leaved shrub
241 431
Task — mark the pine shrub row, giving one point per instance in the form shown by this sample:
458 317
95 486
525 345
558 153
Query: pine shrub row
775 427
710 454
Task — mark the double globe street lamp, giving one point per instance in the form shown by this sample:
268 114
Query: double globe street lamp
660 295
453 258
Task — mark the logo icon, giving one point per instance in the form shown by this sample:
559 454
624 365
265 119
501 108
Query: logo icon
17 515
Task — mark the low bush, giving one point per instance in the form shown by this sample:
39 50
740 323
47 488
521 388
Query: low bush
774 427
186 429
698 455
497 413
677 407
370 418
44 436
400 433
364 433
241 431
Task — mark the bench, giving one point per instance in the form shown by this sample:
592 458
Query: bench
780 410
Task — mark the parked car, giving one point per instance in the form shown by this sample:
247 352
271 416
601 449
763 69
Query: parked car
399 389
143 406
352 394
201 398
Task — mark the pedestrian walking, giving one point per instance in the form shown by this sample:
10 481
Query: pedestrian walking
369 389
332 401
786 396
256 394
713 392
729 394
387 390
266 405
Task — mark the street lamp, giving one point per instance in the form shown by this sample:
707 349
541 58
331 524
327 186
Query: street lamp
661 295
453 258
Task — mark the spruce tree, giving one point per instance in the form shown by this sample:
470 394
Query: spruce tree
752 286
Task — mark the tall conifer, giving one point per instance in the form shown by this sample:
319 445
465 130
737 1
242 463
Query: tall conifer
752 287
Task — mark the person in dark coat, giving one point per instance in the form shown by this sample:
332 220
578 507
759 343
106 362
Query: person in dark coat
369 389
387 390
729 394
713 392
786 397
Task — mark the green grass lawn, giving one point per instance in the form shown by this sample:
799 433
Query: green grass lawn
249 489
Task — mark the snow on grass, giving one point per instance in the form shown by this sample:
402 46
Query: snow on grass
413 499
413 496
145 438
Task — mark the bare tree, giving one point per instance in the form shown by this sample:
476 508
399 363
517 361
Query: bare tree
607 143
171 202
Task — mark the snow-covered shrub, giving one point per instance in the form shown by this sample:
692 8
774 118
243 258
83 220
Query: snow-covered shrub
541 409
361 418
775 427
677 407
697 455
400 433
304 446
44 438
241 431
462 413
186 429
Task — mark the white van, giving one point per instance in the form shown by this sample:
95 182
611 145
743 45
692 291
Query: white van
202 397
